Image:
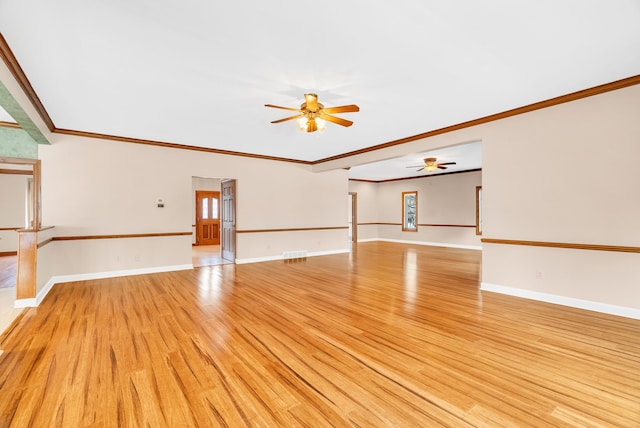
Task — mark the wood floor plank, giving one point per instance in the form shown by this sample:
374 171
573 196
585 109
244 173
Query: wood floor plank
389 335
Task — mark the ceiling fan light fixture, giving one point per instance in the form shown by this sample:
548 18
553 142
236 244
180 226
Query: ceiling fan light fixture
311 124
430 164
322 124
302 123
313 116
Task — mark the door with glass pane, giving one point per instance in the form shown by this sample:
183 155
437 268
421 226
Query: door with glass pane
207 217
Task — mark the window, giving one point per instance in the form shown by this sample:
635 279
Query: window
205 208
214 208
409 211
478 210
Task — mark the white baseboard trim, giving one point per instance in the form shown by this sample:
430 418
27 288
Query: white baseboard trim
279 257
328 253
257 259
57 279
25 303
433 244
589 305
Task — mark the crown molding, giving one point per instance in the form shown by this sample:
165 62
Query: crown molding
173 145
596 90
14 67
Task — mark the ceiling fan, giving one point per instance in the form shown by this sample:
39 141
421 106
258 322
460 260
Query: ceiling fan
313 115
431 165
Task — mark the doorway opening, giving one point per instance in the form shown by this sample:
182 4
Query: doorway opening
210 214
20 193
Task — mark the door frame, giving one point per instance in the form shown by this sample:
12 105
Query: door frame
35 202
354 216
27 250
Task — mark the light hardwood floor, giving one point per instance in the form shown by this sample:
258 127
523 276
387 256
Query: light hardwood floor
389 335
207 255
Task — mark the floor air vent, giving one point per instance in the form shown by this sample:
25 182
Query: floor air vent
294 255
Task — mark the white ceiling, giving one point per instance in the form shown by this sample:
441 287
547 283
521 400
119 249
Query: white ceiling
466 156
199 72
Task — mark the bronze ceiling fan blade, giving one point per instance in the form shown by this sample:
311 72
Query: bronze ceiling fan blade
288 118
442 167
419 169
311 101
334 119
447 163
351 108
283 108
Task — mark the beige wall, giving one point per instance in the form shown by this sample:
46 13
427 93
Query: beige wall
442 199
566 174
290 196
100 187
13 190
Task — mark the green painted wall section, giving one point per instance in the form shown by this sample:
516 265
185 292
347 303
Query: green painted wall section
13 108
16 143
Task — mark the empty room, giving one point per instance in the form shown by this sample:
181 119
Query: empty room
279 214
